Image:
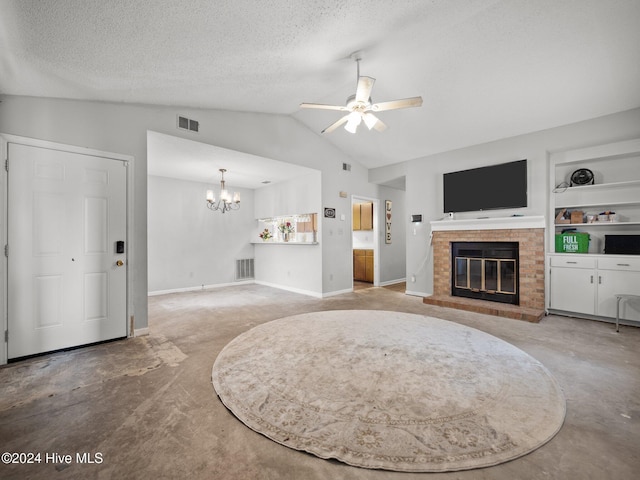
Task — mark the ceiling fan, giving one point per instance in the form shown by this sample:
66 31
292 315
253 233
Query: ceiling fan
360 107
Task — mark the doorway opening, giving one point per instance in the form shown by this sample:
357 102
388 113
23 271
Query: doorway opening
365 243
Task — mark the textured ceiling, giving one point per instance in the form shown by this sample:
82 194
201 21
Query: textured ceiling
185 159
486 69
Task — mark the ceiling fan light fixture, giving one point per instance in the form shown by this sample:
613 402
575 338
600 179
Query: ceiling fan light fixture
369 120
360 105
354 119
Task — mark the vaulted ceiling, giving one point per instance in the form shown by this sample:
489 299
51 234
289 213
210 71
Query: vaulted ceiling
486 69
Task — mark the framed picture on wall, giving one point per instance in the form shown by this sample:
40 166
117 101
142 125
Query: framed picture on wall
387 221
329 213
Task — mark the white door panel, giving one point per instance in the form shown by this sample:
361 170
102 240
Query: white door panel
65 213
565 285
612 282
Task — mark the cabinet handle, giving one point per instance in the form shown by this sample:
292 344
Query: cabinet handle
591 278
623 264
571 262
599 280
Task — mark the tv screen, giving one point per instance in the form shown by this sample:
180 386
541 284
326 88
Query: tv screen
486 188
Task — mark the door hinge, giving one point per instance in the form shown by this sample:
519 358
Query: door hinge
6 164
6 250
6 335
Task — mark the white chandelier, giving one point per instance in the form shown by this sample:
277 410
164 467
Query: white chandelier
225 202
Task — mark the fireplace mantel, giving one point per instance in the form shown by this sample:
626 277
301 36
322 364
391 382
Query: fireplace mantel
497 223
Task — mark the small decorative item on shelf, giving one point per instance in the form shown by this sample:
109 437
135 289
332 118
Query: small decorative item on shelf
577 216
286 229
265 235
561 217
607 216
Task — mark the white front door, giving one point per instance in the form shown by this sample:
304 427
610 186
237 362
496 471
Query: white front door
66 279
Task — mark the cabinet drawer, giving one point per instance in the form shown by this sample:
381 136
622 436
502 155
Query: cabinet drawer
618 263
572 261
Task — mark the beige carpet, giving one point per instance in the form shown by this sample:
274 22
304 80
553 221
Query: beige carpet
389 390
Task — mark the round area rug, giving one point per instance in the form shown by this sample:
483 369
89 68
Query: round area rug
389 390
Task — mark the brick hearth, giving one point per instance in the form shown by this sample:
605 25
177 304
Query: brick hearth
531 246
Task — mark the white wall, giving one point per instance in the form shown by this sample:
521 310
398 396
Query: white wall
293 267
390 269
363 239
424 177
122 128
190 246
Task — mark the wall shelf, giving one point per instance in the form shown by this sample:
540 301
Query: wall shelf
595 224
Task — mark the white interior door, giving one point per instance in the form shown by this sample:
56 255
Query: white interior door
66 280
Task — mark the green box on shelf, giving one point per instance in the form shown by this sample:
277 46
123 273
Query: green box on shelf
572 242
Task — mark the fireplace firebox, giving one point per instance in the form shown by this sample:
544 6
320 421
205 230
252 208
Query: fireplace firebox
485 271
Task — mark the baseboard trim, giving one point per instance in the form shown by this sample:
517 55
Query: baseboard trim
392 282
337 292
200 287
141 332
417 294
290 289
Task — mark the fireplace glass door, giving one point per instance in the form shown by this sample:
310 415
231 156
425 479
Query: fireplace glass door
486 271
485 274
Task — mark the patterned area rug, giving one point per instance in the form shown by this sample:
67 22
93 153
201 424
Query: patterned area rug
389 390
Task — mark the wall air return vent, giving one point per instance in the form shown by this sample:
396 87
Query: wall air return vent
244 269
185 123
346 167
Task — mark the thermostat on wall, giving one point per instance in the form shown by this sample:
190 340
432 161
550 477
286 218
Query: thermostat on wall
416 218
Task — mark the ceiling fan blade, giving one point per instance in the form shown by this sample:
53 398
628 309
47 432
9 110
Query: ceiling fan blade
323 106
335 124
363 92
371 121
395 104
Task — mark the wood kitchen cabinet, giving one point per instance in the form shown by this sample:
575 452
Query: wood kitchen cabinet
363 216
363 265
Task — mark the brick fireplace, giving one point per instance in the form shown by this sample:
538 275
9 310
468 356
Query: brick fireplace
522 230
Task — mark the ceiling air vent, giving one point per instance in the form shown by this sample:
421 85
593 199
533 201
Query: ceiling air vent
185 123
346 167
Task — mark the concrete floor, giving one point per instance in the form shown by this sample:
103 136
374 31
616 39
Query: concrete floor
147 406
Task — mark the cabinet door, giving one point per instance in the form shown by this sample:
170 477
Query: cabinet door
610 283
359 265
360 269
366 216
572 290
369 266
356 217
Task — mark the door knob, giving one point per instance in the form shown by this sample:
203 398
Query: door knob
119 263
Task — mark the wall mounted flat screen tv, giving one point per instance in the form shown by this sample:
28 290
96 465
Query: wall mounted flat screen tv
486 188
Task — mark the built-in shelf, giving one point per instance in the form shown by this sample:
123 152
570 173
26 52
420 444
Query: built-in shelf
596 204
595 224
618 193
599 186
616 188
586 284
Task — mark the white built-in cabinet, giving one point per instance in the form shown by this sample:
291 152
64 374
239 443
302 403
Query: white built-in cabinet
585 284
